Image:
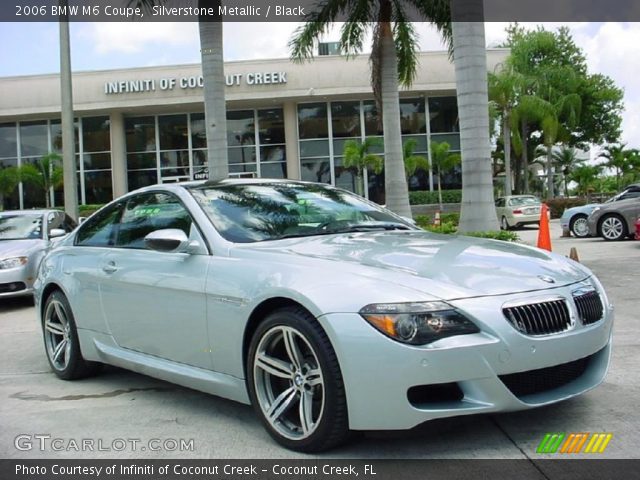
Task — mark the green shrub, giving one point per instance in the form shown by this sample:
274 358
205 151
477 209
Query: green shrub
450 218
446 228
86 210
423 221
503 235
558 205
424 197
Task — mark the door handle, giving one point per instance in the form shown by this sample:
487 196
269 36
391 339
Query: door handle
110 267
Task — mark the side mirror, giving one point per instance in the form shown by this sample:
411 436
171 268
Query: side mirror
167 240
56 233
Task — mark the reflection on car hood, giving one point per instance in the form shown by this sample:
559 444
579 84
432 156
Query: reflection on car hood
18 248
454 266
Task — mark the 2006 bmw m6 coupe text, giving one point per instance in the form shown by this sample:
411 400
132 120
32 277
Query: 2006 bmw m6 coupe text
323 310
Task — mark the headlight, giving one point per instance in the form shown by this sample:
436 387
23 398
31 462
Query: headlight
15 262
418 323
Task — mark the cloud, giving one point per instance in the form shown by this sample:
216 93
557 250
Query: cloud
613 51
128 38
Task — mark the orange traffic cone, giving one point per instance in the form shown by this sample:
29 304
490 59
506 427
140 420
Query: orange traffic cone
436 219
544 237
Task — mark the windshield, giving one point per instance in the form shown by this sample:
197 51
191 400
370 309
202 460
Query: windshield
245 213
520 201
20 226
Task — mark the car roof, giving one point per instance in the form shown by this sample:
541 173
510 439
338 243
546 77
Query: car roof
29 212
226 181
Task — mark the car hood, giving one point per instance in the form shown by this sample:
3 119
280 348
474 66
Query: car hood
584 208
17 248
452 266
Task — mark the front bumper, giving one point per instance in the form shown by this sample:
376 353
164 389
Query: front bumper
16 282
378 372
593 226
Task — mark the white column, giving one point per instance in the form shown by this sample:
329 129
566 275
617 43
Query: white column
291 139
118 155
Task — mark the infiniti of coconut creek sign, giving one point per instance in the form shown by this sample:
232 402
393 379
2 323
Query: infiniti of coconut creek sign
191 82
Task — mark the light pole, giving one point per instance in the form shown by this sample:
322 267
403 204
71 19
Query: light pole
68 140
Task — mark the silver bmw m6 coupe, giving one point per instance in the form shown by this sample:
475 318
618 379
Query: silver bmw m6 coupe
324 311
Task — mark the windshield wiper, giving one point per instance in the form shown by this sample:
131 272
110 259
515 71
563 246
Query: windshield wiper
342 227
366 227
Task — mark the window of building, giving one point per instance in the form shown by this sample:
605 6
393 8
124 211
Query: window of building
9 158
142 162
95 169
175 146
444 126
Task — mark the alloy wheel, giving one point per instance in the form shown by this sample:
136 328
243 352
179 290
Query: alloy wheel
57 334
612 228
580 227
288 382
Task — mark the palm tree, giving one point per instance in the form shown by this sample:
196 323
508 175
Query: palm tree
9 180
621 159
586 177
443 161
478 212
566 160
554 131
412 162
68 141
393 62
45 174
358 156
211 49
504 89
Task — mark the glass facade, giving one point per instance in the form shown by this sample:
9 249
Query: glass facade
325 127
171 148
26 142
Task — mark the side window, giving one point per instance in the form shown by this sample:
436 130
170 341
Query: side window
100 231
630 194
149 212
500 202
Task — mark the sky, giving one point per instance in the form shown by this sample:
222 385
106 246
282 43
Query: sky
612 49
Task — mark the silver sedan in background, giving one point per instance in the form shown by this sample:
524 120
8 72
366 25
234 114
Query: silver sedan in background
25 235
515 211
324 311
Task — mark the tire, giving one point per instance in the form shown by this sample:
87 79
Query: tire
298 393
504 225
579 226
61 340
612 228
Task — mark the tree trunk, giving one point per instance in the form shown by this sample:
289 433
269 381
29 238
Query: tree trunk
550 194
439 191
215 111
507 154
70 178
360 183
525 158
395 184
478 211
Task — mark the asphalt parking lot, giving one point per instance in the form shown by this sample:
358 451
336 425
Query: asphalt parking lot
121 405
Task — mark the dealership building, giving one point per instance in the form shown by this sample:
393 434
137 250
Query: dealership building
141 126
